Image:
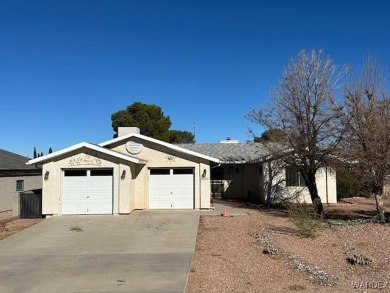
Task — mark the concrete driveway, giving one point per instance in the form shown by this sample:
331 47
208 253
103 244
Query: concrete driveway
147 251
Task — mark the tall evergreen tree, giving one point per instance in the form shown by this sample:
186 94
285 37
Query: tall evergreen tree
151 121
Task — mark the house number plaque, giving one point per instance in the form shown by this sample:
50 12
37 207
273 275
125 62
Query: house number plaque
133 147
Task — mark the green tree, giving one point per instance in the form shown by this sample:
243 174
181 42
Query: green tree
150 119
50 150
35 155
272 135
179 136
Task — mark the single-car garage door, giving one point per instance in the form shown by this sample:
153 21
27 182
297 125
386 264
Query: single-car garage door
87 192
171 188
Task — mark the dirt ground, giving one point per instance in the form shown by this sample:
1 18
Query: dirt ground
229 252
8 228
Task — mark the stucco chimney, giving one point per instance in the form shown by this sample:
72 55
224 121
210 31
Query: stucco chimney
127 130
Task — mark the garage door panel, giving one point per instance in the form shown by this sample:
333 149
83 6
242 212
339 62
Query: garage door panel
75 183
97 208
81 209
183 204
99 197
173 191
87 194
160 204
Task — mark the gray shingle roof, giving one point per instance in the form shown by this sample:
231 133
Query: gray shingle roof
12 161
233 153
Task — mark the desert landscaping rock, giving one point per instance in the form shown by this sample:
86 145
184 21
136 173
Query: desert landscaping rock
229 258
12 227
356 257
266 246
315 272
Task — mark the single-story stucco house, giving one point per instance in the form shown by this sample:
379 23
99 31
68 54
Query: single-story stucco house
15 177
248 171
123 174
134 171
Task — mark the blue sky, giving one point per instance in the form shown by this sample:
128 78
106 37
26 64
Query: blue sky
66 66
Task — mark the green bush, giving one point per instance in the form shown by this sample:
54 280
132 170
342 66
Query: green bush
301 214
350 184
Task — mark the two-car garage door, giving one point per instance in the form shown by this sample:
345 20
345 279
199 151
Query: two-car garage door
87 192
171 188
91 191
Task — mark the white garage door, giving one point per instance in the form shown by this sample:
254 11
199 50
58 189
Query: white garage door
87 192
171 189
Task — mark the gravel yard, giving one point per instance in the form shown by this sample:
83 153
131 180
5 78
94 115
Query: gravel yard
229 256
12 227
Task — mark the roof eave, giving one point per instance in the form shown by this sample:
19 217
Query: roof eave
97 148
166 144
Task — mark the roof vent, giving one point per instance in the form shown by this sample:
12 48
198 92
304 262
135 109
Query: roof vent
228 140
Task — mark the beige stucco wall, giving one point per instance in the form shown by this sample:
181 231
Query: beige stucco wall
9 197
132 192
52 187
158 156
243 181
278 191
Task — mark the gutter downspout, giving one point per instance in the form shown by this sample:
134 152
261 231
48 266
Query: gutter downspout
326 184
219 165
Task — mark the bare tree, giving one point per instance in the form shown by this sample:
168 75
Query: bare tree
274 184
303 108
367 122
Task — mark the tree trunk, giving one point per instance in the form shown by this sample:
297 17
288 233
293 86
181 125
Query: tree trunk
315 198
380 207
310 180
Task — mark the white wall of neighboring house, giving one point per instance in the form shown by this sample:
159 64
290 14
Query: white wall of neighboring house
277 191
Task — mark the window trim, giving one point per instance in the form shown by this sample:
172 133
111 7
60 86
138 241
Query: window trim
21 181
294 177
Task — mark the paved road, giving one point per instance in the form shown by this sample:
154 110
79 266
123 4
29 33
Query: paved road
148 251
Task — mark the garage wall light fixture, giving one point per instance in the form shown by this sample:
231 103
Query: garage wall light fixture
123 176
204 173
46 175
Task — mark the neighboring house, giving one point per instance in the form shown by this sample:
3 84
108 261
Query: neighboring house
15 177
247 171
129 172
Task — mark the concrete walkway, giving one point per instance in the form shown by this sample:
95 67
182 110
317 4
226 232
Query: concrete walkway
144 252
220 206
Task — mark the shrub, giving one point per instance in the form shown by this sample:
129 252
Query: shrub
301 214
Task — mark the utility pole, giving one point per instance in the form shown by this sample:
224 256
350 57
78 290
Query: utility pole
194 130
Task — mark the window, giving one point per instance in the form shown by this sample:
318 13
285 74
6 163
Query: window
160 171
182 171
19 185
75 173
100 172
294 177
